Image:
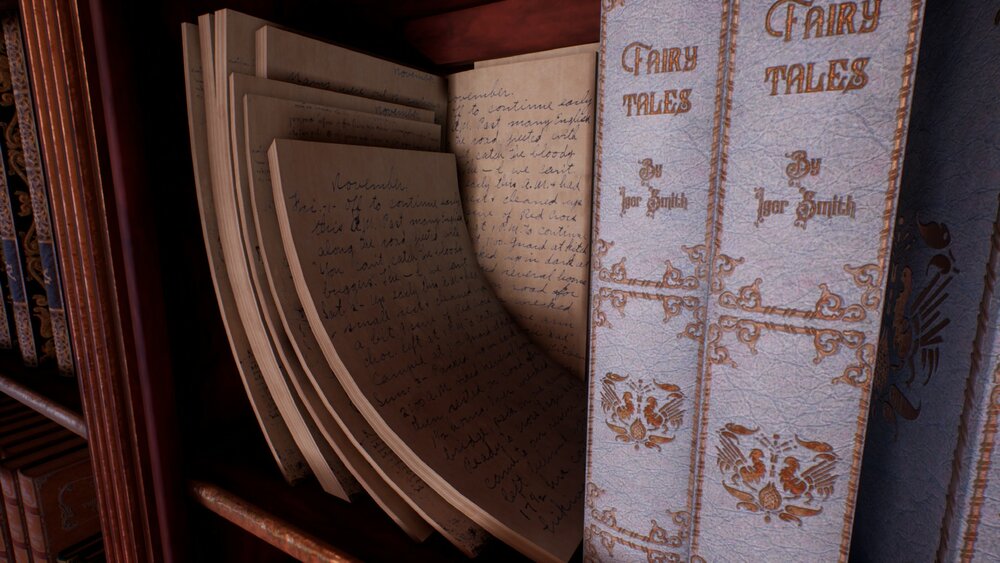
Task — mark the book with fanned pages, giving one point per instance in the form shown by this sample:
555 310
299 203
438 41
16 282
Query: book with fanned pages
931 468
747 173
522 131
29 164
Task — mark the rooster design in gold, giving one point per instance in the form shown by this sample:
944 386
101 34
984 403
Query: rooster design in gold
775 476
643 414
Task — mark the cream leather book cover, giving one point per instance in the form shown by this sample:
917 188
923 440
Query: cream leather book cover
803 162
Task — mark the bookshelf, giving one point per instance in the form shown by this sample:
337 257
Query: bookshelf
182 470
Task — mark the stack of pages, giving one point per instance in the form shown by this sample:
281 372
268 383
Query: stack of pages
383 344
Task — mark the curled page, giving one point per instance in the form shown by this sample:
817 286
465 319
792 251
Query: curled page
384 268
523 136
386 477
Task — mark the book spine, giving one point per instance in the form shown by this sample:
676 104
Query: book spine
661 81
931 395
816 113
15 518
12 259
7 330
800 174
38 190
33 523
6 547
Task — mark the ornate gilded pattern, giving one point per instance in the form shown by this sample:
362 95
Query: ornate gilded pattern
673 305
654 544
826 341
911 343
641 413
775 475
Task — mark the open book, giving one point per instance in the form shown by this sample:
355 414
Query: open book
407 322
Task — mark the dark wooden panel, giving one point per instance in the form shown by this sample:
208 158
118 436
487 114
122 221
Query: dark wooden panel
501 29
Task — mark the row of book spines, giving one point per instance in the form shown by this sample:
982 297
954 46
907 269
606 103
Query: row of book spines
32 317
47 499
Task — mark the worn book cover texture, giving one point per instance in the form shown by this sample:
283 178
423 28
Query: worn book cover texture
803 159
935 386
60 504
19 234
31 156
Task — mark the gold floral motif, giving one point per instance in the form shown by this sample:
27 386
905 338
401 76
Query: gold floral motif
775 476
829 306
608 533
612 4
646 414
866 277
673 277
826 341
672 305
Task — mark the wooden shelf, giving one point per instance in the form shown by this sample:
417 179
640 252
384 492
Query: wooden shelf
242 485
54 396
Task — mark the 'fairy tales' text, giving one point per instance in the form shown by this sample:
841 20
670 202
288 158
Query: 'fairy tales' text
838 75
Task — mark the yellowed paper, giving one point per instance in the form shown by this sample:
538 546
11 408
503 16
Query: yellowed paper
550 54
276 432
286 56
383 265
323 459
523 135
270 118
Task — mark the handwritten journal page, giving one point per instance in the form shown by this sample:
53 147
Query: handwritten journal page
279 439
263 119
377 245
523 136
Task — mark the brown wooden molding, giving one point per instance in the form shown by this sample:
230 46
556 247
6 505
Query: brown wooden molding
55 40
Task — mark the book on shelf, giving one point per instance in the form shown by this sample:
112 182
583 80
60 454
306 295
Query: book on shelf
423 275
406 109
26 438
931 467
59 503
29 254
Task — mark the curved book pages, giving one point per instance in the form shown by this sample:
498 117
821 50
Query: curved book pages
317 452
748 156
388 280
276 433
267 118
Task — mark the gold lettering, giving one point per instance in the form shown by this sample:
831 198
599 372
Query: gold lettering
845 20
833 18
674 60
859 79
637 49
814 19
774 74
690 58
653 62
869 19
628 100
805 78
658 61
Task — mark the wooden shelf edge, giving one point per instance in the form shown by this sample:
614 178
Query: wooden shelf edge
61 415
266 526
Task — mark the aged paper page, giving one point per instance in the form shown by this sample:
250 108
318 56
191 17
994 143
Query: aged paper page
270 118
321 457
377 245
523 135
276 433
550 54
286 56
